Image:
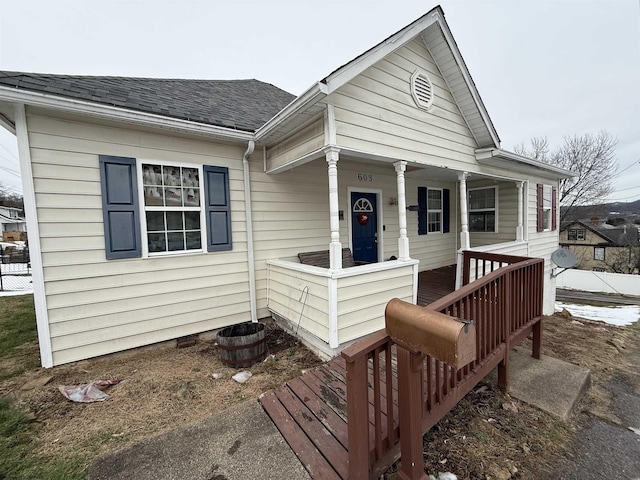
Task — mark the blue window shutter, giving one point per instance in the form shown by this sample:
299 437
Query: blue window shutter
217 208
445 210
422 210
118 181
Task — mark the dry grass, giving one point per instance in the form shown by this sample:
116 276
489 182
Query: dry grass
160 390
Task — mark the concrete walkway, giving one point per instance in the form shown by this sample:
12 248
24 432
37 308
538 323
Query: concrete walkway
238 444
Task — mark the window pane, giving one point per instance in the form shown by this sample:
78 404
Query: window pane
171 176
190 177
157 242
546 197
151 175
175 241
174 221
490 225
434 199
193 240
155 221
192 220
547 219
172 197
152 196
191 197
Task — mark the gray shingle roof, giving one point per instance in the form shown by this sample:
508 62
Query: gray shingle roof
238 104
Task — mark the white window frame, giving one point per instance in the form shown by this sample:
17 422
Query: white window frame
579 232
481 210
596 255
439 211
144 209
547 207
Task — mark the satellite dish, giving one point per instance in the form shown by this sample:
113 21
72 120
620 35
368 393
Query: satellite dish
564 259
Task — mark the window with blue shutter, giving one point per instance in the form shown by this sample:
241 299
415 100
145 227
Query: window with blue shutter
120 207
217 208
182 204
433 210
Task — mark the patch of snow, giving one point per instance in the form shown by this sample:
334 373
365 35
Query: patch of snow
619 315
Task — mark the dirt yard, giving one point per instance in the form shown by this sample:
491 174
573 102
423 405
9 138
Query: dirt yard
160 389
487 436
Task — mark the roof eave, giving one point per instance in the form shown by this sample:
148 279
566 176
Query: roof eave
313 95
71 105
489 155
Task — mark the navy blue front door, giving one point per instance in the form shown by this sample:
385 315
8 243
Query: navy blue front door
364 227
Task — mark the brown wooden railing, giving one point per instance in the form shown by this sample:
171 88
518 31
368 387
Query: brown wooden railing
505 304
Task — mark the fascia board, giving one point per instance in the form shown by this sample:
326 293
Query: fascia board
348 72
485 155
448 36
310 97
117 113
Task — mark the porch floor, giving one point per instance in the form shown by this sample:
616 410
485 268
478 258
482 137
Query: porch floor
435 284
311 411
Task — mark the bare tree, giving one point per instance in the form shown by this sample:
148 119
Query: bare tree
590 157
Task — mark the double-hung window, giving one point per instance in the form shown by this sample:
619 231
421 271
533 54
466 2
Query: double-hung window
433 210
598 253
173 211
483 210
153 208
547 199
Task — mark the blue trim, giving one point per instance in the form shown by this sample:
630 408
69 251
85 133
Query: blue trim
120 212
217 208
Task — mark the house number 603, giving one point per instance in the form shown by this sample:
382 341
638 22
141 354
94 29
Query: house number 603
365 177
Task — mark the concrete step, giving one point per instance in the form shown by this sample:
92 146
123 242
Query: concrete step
549 384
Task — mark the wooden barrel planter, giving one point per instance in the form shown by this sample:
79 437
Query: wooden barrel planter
242 345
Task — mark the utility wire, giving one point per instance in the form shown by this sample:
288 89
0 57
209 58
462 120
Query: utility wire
13 172
628 167
10 152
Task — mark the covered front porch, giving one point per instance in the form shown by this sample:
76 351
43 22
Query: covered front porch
399 220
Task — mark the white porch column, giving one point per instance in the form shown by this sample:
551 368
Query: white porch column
464 212
335 247
520 228
403 240
464 225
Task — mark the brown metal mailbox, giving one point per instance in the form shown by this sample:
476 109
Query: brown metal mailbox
433 333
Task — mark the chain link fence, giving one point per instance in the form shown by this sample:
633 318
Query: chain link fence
15 270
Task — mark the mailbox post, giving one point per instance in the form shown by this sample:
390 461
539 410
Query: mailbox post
417 332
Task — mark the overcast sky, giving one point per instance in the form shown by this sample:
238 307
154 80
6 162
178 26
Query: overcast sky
543 68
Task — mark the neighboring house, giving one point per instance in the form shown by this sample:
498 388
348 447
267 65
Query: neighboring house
602 247
11 220
164 208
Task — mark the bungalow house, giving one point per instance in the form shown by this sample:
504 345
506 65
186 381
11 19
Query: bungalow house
11 221
601 247
161 208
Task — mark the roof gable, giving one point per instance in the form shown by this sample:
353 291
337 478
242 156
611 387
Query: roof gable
434 32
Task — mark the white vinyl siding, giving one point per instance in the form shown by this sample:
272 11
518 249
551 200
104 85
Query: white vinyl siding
363 299
304 141
376 113
506 213
96 306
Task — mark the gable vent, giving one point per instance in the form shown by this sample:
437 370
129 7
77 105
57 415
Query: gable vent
421 89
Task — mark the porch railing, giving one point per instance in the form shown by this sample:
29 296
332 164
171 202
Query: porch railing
505 304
